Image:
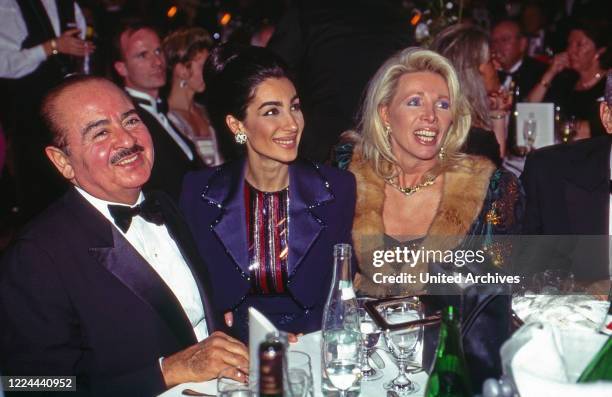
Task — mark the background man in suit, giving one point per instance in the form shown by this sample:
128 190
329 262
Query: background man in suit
142 66
568 192
335 47
518 72
41 41
106 282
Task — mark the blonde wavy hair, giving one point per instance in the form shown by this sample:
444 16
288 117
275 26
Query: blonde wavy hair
380 92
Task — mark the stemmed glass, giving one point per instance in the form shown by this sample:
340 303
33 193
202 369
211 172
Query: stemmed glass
370 334
341 351
402 342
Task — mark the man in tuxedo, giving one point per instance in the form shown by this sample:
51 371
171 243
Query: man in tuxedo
517 72
568 192
106 284
141 64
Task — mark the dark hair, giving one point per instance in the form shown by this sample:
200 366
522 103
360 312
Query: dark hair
598 30
232 73
514 21
182 45
49 111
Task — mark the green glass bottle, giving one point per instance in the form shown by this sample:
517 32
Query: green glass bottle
449 376
600 367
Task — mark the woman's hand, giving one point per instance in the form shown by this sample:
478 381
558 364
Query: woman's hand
559 63
500 101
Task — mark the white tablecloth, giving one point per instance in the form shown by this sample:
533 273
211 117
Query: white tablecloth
311 344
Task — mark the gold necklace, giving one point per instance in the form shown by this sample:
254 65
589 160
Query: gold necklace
591 82
410 190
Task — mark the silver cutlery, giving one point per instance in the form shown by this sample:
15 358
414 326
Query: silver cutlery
189 392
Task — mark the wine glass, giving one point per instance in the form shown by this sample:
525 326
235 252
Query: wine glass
402 342
370 334
341 351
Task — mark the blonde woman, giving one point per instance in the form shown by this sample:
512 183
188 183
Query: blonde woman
412 179
186 50
416 189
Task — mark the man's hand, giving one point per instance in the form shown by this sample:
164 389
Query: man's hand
69 43
204 360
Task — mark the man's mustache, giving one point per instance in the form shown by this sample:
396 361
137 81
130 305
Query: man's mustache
123 153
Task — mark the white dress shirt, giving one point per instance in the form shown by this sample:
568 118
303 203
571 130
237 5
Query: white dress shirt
151 107
15 62
156 246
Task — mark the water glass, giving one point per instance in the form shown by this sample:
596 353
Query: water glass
370 334
299 370
234 382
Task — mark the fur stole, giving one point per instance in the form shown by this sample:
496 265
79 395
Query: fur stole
465 189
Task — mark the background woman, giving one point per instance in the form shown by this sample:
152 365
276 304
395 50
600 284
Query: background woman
186 51
415 188
267 223
575 80
467 47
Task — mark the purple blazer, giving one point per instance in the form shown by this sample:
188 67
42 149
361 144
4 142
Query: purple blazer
322 206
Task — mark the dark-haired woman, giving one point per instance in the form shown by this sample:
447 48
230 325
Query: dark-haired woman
266 223
575 80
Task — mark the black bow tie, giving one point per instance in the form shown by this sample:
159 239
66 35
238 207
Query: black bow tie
148 209
503 75
161 106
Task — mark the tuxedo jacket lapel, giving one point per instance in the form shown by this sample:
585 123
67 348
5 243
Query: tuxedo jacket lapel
126 264
111 250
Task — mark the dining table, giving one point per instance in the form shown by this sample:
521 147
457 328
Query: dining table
311 345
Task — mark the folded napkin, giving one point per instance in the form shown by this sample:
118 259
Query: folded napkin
544 360
259 327
569 312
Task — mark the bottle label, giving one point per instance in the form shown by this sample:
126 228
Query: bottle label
271 374
346 290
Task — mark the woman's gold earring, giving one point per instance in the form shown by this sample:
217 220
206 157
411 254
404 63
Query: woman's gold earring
240 137
388 130
442 154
